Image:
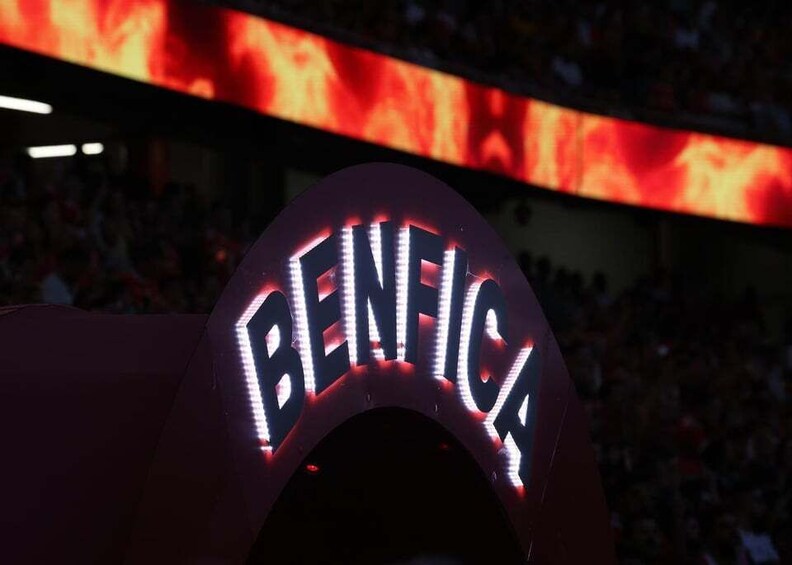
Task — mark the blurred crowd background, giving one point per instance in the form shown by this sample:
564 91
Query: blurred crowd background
706 63
109 242
687 394
687 399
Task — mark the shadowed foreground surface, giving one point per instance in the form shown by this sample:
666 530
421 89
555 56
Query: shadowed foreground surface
388 486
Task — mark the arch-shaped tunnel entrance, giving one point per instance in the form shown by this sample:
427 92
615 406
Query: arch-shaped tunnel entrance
183 441
387 486
306 463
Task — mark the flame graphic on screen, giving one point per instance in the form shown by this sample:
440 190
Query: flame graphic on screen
221 54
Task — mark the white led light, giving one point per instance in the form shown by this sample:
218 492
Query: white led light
283 389
463 374
374 335
24 105
47 151
522 413
513 466
92 148
348 291
301 314
377 251
273 340
491 325
375 238
402 290
505 391
509 445
249 368
444 313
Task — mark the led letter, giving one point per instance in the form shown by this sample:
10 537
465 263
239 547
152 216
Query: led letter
449 314
273 370
414 297
369 292
316 315
485 310
514 416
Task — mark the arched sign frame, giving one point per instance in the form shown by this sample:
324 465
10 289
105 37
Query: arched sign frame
254 473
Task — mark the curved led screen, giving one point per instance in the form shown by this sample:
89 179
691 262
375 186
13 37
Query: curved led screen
289 73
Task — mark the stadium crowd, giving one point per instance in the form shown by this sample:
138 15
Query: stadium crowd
109 243
688 401
689 411
705 63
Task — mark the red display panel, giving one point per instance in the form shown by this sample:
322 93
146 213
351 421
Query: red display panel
288 73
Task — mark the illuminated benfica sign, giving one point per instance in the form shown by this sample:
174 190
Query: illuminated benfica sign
356 296
380 288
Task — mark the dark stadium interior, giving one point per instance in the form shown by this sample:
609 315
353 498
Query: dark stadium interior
676 330
355 500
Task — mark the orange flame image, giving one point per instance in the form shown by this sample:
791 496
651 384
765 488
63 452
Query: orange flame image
289 73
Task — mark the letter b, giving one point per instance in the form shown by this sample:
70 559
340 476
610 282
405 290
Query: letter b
276 361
